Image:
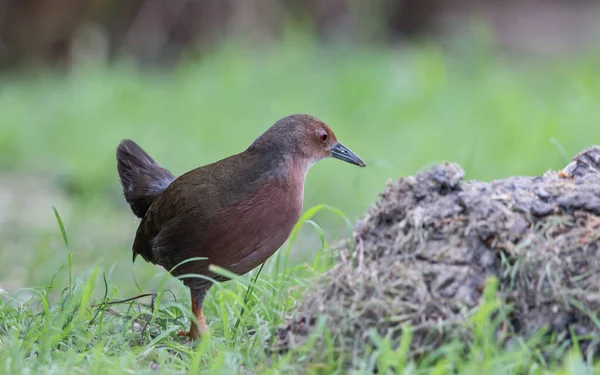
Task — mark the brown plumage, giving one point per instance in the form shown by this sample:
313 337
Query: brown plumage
235 212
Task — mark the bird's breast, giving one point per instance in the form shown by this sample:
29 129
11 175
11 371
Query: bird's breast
259 226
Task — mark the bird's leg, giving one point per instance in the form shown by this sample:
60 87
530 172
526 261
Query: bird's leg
199 327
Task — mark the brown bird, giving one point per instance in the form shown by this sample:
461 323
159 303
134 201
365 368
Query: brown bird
235 213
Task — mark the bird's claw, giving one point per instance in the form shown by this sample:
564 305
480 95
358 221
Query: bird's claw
181 332
195 332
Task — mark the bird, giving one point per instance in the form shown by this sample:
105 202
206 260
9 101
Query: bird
233 213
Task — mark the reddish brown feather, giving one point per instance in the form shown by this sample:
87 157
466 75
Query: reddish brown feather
236 212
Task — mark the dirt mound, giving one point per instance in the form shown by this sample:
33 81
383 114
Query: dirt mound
423 253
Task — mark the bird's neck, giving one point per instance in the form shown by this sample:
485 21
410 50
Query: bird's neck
277 165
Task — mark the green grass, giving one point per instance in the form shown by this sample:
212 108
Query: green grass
400 109
74 331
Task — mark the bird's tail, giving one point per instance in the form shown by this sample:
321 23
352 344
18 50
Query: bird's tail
142 178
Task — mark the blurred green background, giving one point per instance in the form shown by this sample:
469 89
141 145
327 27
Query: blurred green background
400 96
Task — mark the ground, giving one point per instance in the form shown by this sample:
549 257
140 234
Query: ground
401 109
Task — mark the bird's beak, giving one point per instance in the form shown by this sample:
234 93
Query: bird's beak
342 152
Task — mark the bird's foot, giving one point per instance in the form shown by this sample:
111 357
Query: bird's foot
191 335
182 333
196 330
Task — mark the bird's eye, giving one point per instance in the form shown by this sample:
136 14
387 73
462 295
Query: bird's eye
324 137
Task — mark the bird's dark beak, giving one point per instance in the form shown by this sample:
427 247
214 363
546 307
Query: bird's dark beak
342 152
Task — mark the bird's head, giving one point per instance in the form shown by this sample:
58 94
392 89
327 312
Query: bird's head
305 140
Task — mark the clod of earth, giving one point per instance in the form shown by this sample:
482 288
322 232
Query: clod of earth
423 252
